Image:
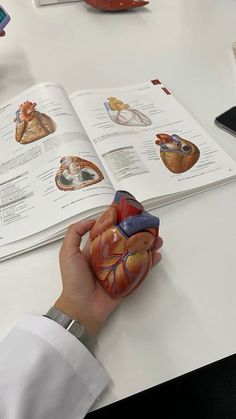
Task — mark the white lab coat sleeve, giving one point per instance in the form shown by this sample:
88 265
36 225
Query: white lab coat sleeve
46 373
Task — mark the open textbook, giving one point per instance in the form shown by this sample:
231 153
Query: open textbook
62 158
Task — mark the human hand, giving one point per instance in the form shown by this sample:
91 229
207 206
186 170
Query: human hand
82 297
3 33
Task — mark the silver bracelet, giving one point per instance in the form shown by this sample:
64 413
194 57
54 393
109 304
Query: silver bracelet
72 326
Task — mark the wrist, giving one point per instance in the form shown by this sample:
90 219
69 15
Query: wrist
77 312
72 326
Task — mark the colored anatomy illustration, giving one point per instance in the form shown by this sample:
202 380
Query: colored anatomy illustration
122 114
178 154
116 5
76 173
31 125
122 240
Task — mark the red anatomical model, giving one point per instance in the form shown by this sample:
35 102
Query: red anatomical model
116 5
122 240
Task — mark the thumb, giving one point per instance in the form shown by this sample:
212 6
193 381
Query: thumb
73 237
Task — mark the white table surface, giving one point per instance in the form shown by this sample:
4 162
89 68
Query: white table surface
184 315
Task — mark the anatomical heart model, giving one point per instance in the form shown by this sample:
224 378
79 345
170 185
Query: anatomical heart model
116 5
31 125
122 114
76 173
122 240
178 154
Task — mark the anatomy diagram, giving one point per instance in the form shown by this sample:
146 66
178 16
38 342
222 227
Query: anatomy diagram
122 114
31 125
76 173
177 154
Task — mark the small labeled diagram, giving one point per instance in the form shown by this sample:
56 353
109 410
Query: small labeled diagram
31 125
177 154
122 114
76 173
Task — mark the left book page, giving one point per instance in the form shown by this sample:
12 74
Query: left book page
49 171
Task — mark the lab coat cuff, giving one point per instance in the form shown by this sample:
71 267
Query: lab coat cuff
71 349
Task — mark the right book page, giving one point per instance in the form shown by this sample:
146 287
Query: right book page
149 144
